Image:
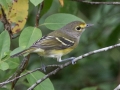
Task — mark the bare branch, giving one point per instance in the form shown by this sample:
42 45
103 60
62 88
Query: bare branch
25 62
106 3
16 78
45 77
118 87
4 20
21 68
59 67
68 63
38 14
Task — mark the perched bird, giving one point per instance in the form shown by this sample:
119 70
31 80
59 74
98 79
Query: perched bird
59 42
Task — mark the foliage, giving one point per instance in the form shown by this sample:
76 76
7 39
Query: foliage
33 77
96 72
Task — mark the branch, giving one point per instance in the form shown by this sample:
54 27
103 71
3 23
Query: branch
29 72
4 20
107 3
26 59
59 67
21 68
45 77
118 87
68 63
38 14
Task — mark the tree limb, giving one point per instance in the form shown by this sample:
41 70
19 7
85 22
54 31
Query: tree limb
68 63
16 78
59 67
26 59
38 14
21 68
118 87
4 20
105 3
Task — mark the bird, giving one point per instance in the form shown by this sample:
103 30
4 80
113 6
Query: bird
59 42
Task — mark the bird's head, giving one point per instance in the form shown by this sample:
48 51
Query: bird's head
75 28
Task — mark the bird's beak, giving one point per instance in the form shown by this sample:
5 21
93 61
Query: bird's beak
89 25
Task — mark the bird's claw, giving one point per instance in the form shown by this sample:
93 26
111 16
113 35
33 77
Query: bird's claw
43 67
73 62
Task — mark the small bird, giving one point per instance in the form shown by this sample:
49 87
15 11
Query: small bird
59 42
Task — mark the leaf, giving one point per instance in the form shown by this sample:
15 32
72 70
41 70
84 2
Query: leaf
18 14
6 4
17 50
36 2
57 21
4 65
45 85
90 88
13 62
4 43
3 89
46 7
61 2
114 36
28 36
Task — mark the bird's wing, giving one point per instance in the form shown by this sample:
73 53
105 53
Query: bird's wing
52 42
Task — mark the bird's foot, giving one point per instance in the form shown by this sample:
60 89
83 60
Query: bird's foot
68 59
73 62
43 67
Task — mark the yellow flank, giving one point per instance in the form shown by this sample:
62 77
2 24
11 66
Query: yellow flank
61 52
82 25
42 53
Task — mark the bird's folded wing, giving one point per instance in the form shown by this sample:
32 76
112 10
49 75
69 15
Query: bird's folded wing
52 42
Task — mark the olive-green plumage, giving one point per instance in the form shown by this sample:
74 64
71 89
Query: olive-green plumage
59 42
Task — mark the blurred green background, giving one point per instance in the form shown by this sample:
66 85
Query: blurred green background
101 70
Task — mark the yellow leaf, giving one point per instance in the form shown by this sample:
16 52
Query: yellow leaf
61 2
18 14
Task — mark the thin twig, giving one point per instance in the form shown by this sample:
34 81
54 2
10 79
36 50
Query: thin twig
4 20
106 3
61 66
118 87
68 63
21 68
15 78
38 14
45 77
24 64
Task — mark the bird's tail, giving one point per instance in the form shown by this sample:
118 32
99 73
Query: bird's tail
26 51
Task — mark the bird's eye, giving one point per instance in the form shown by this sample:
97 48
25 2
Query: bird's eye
78 28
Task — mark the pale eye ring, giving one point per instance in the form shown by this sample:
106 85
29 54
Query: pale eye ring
78 28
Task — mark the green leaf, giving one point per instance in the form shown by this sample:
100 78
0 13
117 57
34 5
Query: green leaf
45 85
17 50
4 43
6 3
3 89
47 5
13 62
90 88
28 36
36 2
114 36
4 65
57 21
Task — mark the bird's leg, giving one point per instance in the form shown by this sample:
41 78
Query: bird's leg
68 59
42 64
